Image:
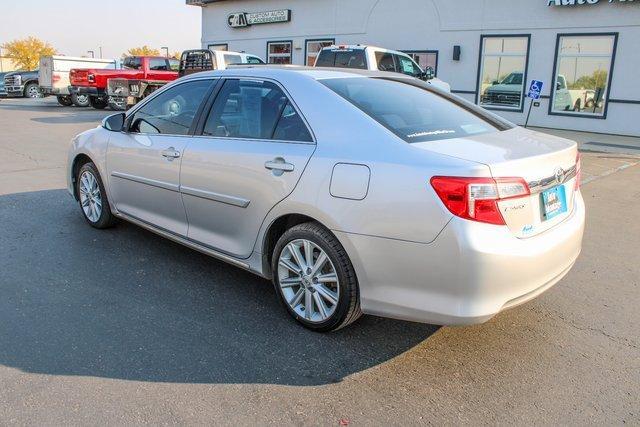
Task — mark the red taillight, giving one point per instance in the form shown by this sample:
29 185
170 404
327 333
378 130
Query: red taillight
578 172
55 78
477 199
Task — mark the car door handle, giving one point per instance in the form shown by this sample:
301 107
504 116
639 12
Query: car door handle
279 164
170 153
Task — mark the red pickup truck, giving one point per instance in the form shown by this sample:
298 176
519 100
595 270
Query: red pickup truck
93 82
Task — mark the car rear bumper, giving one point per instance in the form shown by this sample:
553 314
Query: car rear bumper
468 274
87 90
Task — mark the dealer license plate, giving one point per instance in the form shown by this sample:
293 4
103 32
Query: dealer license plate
554 202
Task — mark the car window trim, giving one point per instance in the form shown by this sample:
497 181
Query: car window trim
131 113
214 96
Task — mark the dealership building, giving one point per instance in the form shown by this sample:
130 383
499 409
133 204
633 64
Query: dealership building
586 52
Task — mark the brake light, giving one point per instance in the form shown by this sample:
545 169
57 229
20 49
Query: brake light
578 172
476 199
55 78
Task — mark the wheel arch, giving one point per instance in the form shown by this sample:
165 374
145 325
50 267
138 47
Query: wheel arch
79 160
275 230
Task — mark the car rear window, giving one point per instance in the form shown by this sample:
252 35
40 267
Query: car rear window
413 113
342 58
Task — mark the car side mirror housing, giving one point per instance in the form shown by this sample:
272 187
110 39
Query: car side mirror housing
429 74
114 122
558 86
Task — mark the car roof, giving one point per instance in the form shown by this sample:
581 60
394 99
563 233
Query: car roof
362 47
275 71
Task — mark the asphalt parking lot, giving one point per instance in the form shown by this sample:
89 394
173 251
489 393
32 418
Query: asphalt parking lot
122 327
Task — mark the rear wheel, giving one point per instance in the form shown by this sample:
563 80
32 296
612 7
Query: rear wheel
80 100
97 102
64 100
93 197
32 90
117 103
314 278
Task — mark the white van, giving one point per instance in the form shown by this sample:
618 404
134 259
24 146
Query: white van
366 57
53 76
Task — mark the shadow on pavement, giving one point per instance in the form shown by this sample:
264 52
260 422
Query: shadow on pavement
127 304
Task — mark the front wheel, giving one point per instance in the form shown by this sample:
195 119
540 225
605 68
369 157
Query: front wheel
64 100
314 278
97 102
93 197
32 90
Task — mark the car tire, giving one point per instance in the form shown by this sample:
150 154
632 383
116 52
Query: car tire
98 102
317 288
577 106
80 100
64 100
32 90
89 188
117 103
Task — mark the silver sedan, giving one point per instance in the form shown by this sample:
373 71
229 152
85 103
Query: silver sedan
354 192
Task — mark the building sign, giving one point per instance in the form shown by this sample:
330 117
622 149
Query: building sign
580 2
244 19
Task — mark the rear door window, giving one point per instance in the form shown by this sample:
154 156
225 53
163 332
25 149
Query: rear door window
407 66
158 64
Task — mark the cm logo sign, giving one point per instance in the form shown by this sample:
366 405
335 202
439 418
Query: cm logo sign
236 20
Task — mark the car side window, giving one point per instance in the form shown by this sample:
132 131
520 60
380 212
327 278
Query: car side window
133 62
230 59
385 61
174 64
158 64
290 126
256 110
407 66
172 112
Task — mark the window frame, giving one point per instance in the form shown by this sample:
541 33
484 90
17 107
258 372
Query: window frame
524 77
226 46
166 64
215 82
306 48
552 92
207 107
427 51
276 42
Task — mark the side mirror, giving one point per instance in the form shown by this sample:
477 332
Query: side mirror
114 122
429 73
558 86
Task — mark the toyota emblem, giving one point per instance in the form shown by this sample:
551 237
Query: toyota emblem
559 175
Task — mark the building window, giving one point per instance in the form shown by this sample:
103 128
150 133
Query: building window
582 74
220 46
279 52
425 58
503 71
313 47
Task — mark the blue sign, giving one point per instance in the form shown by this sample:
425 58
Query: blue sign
535 89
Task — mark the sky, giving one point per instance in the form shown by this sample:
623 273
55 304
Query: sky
74 27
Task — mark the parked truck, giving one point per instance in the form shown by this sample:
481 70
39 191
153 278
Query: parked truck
155 71
54 76
22 84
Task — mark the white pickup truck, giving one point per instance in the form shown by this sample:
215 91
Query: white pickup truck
54 76
376 58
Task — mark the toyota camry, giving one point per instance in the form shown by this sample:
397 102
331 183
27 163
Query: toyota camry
352 191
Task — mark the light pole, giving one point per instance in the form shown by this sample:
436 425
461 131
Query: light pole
166 49
92 53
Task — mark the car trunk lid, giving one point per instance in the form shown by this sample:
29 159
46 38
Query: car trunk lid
547 163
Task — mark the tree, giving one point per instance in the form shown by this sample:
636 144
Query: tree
595 80
142 51
176 55
26 53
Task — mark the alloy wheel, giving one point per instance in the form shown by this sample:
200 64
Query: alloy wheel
308 280
33 92
90 197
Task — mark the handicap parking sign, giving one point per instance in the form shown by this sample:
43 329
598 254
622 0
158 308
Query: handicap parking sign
535 89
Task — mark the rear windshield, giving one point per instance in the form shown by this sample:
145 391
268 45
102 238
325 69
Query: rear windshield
341 58
412 113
